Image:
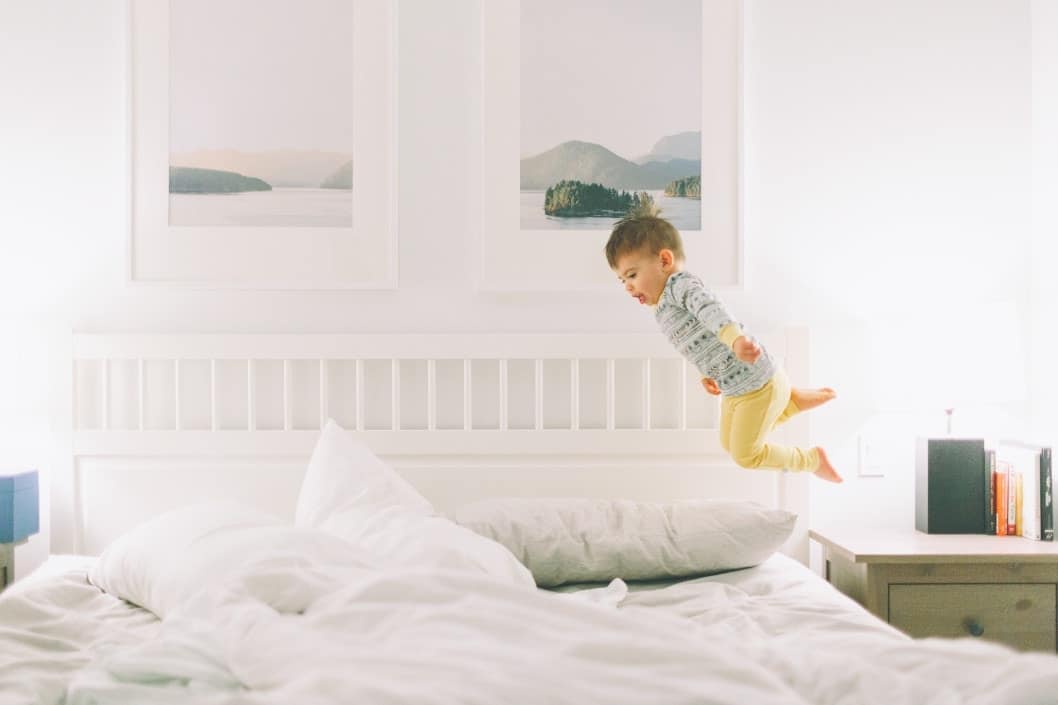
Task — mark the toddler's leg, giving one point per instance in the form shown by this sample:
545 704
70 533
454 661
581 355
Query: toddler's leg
751 416
725 427
803 400
826 471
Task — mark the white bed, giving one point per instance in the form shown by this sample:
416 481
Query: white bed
55 620
42 655
413 632
775 633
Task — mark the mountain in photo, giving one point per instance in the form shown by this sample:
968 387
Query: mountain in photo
589 163
342 178
282 168
683 145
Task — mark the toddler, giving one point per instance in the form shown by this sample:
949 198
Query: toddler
646 253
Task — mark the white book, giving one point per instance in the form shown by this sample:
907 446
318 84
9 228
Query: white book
1024 458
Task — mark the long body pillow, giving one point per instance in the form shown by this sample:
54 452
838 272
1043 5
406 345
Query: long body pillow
592 540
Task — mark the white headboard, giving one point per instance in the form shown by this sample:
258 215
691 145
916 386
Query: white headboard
162 420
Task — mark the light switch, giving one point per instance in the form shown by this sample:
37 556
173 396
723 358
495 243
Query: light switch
869 458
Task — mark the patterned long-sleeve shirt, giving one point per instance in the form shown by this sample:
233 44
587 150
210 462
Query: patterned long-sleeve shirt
698 326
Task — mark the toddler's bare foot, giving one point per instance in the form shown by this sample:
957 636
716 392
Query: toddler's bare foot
826 471
805 399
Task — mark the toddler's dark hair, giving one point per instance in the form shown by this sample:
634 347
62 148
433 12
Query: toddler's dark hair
642 227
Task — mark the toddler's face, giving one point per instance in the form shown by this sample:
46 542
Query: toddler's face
644 274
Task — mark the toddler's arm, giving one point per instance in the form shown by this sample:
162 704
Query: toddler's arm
702 304
746 349
710 385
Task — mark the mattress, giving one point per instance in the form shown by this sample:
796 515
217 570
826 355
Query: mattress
775 633
52 622
780 595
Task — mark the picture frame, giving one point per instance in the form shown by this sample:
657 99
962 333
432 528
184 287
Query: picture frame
362 255
513 259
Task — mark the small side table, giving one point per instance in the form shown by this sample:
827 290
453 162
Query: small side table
19 517
1002 588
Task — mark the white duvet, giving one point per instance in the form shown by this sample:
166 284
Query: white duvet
370 598
769 634
394 635
53 623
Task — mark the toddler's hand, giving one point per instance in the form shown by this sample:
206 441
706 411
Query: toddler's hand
710 385
746 349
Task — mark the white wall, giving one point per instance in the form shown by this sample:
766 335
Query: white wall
1044 249
887 185
886 170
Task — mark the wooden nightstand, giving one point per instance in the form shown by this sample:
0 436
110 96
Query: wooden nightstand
1003 588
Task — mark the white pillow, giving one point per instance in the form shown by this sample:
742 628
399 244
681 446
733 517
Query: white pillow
351 493
164 561
345 476
589 540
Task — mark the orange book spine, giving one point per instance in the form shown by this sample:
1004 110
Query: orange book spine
1001 503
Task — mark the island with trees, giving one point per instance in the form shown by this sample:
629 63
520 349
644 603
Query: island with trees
192 180
690 187
577 199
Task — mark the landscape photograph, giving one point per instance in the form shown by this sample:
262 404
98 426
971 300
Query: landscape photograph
261 113
610 112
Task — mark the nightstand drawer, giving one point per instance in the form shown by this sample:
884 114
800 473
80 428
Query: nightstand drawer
1021 615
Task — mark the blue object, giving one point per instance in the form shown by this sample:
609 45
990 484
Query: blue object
19 506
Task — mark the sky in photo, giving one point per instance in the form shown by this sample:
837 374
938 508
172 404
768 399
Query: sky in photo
620 73
256 75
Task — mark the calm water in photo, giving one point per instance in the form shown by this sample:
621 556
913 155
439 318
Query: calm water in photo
280 207
684 213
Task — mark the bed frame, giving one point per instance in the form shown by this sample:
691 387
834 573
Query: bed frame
161 420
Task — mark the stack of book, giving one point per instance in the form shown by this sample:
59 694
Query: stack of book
1019 498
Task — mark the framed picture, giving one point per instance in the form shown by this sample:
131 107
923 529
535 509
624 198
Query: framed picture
590 108
263 144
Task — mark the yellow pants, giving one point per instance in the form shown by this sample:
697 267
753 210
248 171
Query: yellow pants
746 419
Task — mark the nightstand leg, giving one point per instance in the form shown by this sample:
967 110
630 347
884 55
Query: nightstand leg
7 564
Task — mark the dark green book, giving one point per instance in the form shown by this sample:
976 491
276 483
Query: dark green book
990 491
1046 495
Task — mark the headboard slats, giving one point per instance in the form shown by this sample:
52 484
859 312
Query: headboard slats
196 365
621 437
